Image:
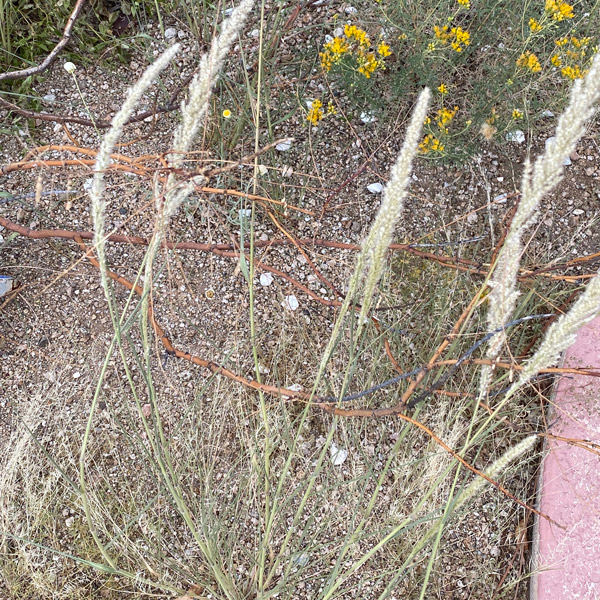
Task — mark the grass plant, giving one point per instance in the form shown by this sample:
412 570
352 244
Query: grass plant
239 495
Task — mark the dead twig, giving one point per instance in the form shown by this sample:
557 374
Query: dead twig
101 123
66 37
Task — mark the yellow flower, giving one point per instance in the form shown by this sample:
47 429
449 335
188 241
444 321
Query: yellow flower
315 114
402 36
555 60
367 64
332 52
444 116
352 31
430 144
431 46
227 113
331 108
441 32
463 38
534 25
517 114
443 89
383 49
338 46
530 61
572 72
559 10
465 3
458 37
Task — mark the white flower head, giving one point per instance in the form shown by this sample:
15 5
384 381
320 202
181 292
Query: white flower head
69 67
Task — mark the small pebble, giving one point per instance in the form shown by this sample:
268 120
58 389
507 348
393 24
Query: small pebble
517 136
291 302
266 279
170 33
375 188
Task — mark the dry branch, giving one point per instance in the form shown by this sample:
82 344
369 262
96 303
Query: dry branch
66 37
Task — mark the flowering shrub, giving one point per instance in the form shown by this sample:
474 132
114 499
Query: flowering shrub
355 45
502 63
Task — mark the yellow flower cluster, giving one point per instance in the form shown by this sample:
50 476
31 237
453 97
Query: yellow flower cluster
465 3
575 72
558 10
534 25
316 112
430 144
333 52
528 60
573 50
457 37
517 114
352 31
355 42
444 116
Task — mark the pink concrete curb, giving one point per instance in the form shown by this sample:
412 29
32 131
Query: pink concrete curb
567 562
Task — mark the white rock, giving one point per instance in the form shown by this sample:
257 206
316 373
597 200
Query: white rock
547 113
578 212
49 98
375 188
262 169
338 455
6 283
87 184
170 33
254 33
501 198
367 117
287 171
515 136
245 213
291 302
76 375
228 11
284 146
328 39
350 10
266 279
549 143
338 32
70 522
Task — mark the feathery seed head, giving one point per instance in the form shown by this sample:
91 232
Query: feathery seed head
108 143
